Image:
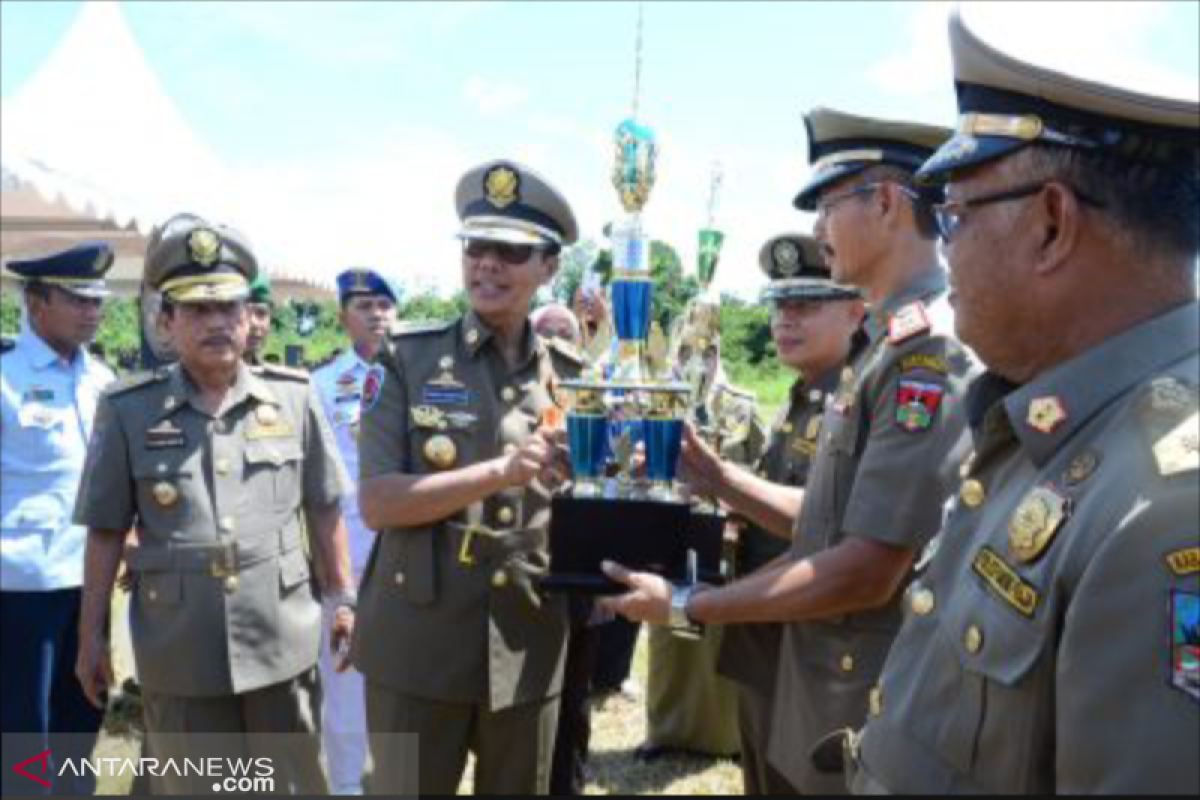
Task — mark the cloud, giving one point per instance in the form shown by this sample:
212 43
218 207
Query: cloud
489 97
1113 42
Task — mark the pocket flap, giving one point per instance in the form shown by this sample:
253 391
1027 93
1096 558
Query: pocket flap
992 641
293 568
160 588
275 452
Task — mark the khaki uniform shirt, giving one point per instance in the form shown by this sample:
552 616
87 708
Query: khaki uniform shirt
446 611
883 469
224 602
750 653
1053 644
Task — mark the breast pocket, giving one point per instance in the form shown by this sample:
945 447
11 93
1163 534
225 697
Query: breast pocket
986 677
41 429
165 497
273 471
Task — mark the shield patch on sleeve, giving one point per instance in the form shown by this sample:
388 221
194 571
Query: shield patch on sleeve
1185 643
917 404
372 386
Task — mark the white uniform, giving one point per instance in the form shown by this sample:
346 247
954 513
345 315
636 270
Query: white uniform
339 385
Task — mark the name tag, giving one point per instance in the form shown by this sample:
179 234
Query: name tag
445 396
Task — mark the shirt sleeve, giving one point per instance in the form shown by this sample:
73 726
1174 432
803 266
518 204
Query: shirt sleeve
1128 698
383 439
916 426
107 498
325 479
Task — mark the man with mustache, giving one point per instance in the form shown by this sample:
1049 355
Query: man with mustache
224 468
368 310
1052 645
458 454
893 434
49 388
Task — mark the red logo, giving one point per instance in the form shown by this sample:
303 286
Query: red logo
40 757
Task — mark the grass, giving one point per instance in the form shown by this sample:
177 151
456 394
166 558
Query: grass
618 727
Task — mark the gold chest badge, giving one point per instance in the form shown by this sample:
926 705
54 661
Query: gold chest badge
165 494
1035 523
441 452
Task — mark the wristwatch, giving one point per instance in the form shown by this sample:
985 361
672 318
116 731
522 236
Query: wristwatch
679 622
343 598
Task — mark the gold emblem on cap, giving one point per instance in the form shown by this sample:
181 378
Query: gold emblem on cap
972 493
505 516
1046 414
787 258
267 415
165 494
205 246
501 186
441 452
1035 523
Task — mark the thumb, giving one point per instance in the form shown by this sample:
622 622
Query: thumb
619 574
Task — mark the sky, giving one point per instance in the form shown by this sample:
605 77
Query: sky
352 122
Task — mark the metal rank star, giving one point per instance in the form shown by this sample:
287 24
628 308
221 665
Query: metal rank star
1046 414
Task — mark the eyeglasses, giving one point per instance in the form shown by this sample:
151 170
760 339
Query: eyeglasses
949 215
826 204
511 254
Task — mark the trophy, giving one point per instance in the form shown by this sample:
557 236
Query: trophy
625 418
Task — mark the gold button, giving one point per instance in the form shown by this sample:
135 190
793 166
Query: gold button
972 493
509 394
499 579
472 337
876 701
847 663
922 602
505 516
162 468
226 523
222 466
152 594
399 578
973 640
231 584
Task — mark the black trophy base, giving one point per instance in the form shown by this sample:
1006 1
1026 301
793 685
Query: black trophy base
643 535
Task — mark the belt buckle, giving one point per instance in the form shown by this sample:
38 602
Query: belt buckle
224 564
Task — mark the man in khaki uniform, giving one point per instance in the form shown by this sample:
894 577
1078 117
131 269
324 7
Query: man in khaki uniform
215 462
456 463
874 495
1052 643
812 320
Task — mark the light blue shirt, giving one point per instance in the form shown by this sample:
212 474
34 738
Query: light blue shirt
339 384
46 410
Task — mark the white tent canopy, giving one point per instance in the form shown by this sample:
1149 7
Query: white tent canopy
95 127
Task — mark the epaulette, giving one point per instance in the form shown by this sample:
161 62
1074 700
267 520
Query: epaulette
419 328
567 351
908 322
277 371
1171 414
7 345
137 380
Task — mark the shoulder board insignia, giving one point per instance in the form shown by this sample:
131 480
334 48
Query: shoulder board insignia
419 328
288 373
908 322
7 345
1170 413
137 380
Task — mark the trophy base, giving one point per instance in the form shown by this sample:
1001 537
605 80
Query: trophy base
642 535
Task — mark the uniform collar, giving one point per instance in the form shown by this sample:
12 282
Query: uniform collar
926 286
476 335
181 390
803 392
41 355
1087 383
348 360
